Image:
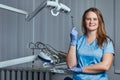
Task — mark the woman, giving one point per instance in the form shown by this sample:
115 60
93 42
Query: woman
90 55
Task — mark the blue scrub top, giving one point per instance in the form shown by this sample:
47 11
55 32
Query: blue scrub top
89 54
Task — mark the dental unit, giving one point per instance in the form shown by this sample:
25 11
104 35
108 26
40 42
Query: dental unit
50 57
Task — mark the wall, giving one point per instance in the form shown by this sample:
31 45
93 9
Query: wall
16 33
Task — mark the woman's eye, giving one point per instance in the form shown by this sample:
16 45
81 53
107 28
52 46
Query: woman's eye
95 19
87 18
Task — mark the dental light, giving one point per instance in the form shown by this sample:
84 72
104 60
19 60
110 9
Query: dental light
54 6
57 7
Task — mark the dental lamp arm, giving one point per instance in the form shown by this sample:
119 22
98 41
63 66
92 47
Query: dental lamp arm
28 16
36 11
13 9
54 6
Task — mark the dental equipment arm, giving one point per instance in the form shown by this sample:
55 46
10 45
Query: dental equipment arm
36 11
17 61
2 6
54 6
27 59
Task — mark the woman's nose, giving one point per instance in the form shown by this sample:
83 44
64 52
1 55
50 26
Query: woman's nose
91 21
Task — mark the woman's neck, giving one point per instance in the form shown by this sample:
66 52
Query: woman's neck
91 36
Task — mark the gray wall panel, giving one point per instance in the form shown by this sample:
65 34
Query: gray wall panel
8 33
107 9
25 30
16 33
117 36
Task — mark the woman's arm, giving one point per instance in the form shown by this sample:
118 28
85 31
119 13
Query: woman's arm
104 65
71 57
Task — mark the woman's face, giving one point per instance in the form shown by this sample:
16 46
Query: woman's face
91 21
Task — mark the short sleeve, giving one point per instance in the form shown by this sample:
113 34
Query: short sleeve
109 48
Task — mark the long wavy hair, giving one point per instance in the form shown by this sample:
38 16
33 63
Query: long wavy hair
101 33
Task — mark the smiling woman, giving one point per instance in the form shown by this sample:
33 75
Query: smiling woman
91 21
90 55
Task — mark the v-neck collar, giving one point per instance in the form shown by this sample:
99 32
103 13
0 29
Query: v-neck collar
90 44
